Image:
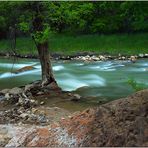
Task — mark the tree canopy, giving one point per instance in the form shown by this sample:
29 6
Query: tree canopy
77 17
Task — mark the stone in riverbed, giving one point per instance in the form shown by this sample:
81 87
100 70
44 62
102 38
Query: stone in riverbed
123 58
4 91
21 100
24 115
42 103
133 58
76 97
42 118
2 97
40 93
34 110
7 96
32 101
102 57
141 55
15 91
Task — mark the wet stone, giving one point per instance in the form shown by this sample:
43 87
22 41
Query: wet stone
42 118
2 97
42 103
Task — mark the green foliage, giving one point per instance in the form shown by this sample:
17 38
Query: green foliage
77 17
24 26
136 86
41 36
2 22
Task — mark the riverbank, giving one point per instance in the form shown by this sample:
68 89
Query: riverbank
125 44
80 56
119 123
27 104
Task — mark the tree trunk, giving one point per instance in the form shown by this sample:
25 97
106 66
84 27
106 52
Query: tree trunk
47 73
42 47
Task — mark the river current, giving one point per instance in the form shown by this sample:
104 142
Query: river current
108 79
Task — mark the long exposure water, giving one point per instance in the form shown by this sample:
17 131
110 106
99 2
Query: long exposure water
106 79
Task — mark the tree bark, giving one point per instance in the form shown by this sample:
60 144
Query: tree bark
38 26
47 73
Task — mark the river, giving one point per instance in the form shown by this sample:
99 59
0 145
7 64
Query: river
106 79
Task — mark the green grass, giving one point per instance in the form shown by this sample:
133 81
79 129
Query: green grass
100 44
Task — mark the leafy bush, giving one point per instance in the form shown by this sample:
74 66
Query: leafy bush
136 86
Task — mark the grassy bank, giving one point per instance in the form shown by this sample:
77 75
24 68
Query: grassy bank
101 44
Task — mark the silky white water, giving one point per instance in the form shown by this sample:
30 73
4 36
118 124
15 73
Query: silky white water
102 78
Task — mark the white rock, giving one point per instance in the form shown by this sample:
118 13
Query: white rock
42 103
4 91
77 96
141 55
123 58
32 101
7 96
102 57
21 100
15 91
34 110
133 58
24 115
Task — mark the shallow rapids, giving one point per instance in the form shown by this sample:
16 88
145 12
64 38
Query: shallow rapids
107 79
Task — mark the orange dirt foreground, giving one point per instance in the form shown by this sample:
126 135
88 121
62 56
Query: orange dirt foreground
123 122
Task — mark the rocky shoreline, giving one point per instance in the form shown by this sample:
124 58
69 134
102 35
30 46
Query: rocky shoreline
84 56
121 122
23 104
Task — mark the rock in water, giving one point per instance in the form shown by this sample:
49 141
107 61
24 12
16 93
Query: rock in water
133 58
26 68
